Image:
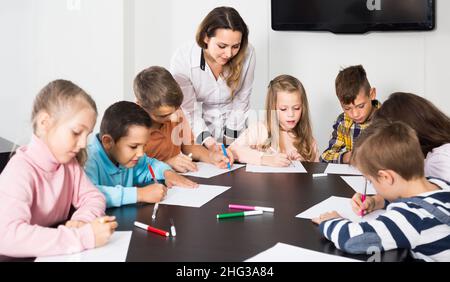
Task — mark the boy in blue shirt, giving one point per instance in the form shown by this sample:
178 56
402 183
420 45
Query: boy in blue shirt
117 164
417 215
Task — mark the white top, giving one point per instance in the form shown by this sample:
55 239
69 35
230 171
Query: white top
437 163
256 134
207 102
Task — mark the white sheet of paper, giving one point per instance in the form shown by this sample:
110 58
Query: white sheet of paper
287 253
206 170
342 169
114 251
193 197
342 205
357 183
295 167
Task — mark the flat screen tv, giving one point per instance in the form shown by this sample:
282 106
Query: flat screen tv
353 16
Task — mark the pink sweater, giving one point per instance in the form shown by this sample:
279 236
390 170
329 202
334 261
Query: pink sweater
37 192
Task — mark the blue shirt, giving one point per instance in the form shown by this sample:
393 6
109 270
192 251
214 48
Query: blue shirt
118 183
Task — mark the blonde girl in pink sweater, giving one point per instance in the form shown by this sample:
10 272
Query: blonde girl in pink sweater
44 179
286 135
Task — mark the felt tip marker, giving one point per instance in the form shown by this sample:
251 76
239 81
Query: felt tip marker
226 155
238 214
152 173
250 208
363 198
172 228
319 175
151 229
155 209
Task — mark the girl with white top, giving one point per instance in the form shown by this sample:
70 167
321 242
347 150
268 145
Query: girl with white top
286 135
216 76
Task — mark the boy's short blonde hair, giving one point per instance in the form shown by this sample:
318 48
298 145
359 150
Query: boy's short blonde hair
389 146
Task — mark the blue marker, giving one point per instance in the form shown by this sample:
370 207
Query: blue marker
225 153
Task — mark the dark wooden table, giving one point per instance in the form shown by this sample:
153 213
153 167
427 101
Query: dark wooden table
202 237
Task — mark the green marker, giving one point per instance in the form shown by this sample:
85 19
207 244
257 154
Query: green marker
238 214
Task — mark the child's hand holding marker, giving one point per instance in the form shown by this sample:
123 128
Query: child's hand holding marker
273 158
294 156
151 193
370 204
362 207
182 163
227 154
220 160
276 159
363 198
103 228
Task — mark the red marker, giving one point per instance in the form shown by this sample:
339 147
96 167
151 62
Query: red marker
152 173
151 229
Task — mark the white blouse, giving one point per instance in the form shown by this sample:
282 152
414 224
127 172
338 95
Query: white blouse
207 102
437 163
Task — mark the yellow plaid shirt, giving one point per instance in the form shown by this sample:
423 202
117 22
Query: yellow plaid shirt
345 132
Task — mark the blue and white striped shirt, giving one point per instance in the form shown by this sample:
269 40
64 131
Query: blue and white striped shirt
404 225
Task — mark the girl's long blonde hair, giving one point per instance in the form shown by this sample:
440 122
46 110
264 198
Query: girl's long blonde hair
302 132
226 18
58 96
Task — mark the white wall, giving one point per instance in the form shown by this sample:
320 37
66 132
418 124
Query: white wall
43 40
105 43
162 26
414 62
16 74
402 61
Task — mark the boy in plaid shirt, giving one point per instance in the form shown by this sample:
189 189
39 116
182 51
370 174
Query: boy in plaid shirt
357 99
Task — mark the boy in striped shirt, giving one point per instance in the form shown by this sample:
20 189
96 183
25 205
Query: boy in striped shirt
417 215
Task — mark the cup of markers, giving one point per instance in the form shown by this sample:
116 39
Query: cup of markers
245 211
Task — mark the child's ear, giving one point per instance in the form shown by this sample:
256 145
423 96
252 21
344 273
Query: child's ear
43 123
386 177
107 142
373 93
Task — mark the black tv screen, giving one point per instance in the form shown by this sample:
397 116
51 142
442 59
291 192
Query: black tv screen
353 16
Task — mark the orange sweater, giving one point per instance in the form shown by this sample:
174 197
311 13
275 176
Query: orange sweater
166 141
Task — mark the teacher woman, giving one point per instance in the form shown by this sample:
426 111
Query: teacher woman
216 74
